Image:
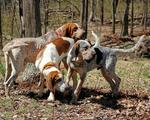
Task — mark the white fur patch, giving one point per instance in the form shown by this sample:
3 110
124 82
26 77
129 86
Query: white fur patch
51 97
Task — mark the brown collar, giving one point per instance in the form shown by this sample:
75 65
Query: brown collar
48 65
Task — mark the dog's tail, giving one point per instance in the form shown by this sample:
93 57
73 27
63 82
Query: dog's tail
139 44
12 45
97 40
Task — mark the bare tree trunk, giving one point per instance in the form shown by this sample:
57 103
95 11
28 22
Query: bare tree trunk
125 19
22 29
92 16
145 13
84 16
1 38
31 16
46 3
13 3
32 24
114 6
101 3
132 17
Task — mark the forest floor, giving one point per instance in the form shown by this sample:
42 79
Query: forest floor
95 102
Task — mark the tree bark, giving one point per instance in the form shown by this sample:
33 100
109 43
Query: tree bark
132 17
32 25
45 4
114 8
125 19
1 38
84 16
92 16
22 29
13 4
145 13
101 3
31 16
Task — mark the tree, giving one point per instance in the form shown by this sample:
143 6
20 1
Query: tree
84 16
31 16
32 25
101 3
132 17
45 4
125 19
22 29
13 4
93 11
114 9
1 38
145 13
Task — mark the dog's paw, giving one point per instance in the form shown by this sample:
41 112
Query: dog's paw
51 98
74 100
40 94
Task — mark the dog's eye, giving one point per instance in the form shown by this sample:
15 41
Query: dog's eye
85 48
75 29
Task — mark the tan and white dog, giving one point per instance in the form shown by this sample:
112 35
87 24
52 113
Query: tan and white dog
48 60
21 51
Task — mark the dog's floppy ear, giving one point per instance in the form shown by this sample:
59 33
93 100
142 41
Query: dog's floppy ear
88 41
73 53
99 55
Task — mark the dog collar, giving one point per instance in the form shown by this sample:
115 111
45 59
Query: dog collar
48 65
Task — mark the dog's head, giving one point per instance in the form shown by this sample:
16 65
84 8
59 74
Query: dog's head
72 30
79 52
55 80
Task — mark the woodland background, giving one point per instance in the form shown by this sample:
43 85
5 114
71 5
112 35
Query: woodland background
119 23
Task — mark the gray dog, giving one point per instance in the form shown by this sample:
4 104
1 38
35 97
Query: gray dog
104 58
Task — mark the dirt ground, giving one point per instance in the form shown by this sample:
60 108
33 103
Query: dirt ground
93 104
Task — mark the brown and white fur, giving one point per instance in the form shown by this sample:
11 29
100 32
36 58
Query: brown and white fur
21 51
48 60
104 59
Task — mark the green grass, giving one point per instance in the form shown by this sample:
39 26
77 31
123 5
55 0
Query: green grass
23 106
2 70
134 74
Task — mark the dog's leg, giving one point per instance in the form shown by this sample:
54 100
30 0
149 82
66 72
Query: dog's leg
51 96
40 93
78 88
64 60
108 78
74 78
69 75
7 67
109 73
117 82
8 84
14 74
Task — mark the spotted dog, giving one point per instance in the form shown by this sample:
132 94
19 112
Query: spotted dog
21 51
48 60
104 59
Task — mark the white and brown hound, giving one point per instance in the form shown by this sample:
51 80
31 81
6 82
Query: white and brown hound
21 51
48 60
104 59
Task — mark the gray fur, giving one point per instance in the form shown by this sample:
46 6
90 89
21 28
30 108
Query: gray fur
107 66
